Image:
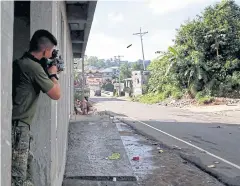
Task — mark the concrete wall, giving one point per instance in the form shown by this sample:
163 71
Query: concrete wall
51 121
137 83
6 53
50 125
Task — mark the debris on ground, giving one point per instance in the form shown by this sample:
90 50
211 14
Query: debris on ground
136 158
216 162
177 147
114 156
211 166
167 168
160 151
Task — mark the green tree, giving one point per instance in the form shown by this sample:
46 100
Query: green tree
125 71
205 57
91 60
137 66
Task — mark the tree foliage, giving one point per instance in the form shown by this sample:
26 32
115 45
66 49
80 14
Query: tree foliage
137 66
205 57
125 71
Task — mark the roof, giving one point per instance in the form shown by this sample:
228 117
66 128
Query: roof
80 15
107 70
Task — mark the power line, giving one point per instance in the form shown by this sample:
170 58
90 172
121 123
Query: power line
141 34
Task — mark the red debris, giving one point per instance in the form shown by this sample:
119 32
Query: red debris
136 158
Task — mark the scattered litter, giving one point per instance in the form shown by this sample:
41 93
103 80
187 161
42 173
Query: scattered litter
114 179
184 162
211 166
176 147
190 141
158 148
216 162
210 182
154 143
218 127
137 167
160 151
136 158
162 166
230 133
114 156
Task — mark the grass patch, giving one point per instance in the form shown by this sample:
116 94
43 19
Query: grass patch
205 100
151 98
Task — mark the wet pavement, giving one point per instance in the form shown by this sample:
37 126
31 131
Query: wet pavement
159 164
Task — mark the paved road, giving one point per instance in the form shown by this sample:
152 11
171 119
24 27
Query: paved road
188 130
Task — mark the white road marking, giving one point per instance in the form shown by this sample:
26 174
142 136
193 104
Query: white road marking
176 138
194 146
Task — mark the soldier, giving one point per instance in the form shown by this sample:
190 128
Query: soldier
29 78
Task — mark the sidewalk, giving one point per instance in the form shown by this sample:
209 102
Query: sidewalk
92 141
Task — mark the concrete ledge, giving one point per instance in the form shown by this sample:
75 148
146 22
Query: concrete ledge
91 140
97 183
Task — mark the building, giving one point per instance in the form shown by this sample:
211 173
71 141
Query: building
93 77
70 22
139 79
107 75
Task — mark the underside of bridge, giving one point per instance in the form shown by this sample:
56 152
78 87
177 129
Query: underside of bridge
80 16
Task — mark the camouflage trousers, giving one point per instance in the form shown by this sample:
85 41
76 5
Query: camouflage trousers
21 155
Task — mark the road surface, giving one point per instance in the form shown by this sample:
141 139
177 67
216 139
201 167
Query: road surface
207 138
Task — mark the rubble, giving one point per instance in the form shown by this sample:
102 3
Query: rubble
188 102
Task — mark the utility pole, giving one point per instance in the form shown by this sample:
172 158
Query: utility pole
83 79
118 58
141 34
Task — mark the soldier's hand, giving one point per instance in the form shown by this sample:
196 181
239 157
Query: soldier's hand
53 70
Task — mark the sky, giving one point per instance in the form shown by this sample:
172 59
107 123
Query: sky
115 22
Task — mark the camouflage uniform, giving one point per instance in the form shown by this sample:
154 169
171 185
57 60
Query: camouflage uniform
21 155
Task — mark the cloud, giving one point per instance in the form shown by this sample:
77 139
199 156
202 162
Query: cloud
163 6
115 17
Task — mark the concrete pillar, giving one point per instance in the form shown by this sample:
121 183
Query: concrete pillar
6 53
52 118
43 16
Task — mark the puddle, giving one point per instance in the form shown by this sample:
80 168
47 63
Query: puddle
135 147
